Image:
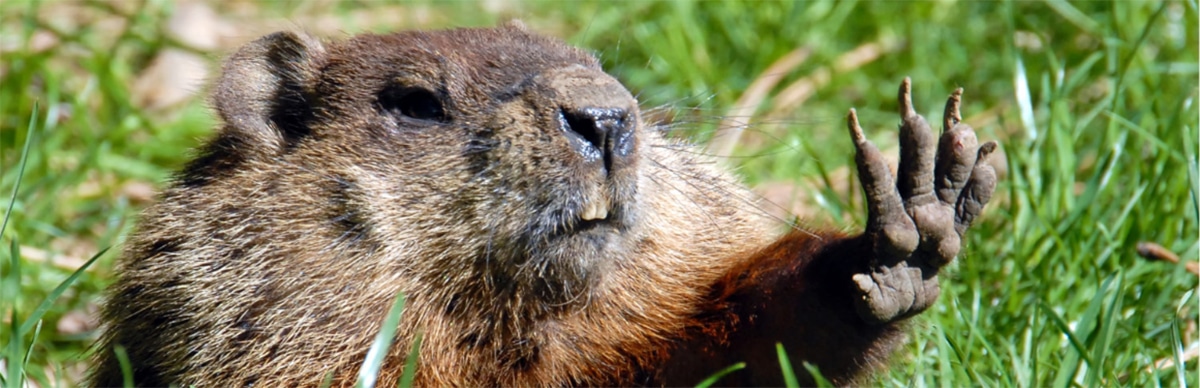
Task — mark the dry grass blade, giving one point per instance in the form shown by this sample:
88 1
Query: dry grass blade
1152 251
799 91
738 117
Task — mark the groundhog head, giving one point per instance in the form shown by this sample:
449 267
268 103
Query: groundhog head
510 146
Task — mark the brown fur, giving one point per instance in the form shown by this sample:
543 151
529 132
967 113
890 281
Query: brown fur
274 256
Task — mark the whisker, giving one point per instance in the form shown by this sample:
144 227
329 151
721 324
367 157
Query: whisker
722 186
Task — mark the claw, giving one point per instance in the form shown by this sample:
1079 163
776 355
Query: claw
856 131
952 116
985 150
905 98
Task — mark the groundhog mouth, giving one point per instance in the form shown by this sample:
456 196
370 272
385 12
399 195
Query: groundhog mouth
595 216
592 216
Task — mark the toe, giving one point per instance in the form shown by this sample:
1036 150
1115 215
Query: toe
957 153
978 191
917 152
870 307
885 209
927 294
947 247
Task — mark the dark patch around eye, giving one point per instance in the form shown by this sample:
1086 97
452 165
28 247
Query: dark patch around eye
413 102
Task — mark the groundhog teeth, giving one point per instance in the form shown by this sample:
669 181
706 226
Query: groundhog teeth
595 210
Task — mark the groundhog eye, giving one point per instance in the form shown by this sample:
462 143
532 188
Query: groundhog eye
416 103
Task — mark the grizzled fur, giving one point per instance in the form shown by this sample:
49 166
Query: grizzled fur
435 164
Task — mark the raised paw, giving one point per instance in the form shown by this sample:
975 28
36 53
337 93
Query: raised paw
915 222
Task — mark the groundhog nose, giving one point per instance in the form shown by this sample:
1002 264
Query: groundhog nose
598 133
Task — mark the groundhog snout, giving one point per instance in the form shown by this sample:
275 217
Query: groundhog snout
597 115
602 135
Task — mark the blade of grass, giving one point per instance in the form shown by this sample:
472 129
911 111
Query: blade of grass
1073 15
1177 354
963 361
1024 101
1137 46
1030 350
1070 365
977 338
1107 326
29 352
1177 342
41 309
944 369
12 379
327 381
13 356
789 376
29 135
369 371
126 366
816 375
410 364
1193 170
710 380
12 285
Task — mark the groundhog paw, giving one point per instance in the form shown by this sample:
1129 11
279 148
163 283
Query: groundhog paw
915 222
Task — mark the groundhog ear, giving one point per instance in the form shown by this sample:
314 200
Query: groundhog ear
516 24
265 90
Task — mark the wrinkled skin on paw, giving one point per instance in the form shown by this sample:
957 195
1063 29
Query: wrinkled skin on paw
916 221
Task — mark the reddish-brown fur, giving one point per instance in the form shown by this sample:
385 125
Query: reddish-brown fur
274 255
792 292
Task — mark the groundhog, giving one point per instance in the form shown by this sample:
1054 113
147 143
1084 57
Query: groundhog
542 232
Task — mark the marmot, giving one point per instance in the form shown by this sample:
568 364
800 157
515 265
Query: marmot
543 234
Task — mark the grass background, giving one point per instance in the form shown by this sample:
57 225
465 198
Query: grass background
1094 103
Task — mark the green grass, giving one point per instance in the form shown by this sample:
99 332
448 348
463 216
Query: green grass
1093 102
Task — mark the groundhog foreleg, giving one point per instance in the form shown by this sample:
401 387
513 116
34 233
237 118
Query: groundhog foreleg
840 302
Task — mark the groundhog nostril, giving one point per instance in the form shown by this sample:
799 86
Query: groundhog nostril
593 131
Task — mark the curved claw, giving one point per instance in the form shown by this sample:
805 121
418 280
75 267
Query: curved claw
905 98
856 131
952 116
